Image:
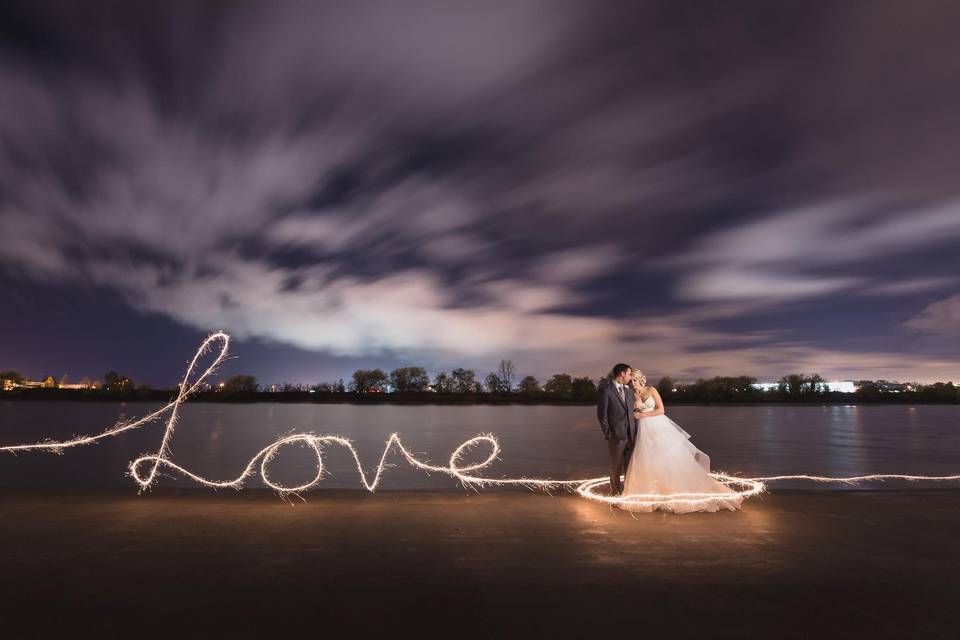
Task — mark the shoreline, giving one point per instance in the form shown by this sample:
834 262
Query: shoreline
163 398
504 563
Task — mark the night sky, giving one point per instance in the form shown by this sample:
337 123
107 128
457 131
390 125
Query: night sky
694 188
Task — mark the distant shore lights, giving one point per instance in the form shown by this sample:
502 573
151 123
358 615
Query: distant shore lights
839 386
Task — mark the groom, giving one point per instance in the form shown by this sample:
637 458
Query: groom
619 426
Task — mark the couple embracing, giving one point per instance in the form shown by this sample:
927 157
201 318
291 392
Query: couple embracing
650 454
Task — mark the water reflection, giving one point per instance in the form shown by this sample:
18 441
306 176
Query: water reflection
844 440
543 441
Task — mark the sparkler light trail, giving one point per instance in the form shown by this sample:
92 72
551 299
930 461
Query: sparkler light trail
144 470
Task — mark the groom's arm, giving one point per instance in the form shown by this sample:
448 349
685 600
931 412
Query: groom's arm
602 412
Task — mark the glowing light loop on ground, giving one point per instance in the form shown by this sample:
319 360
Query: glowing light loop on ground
146 468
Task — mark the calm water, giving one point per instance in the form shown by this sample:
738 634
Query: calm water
216 440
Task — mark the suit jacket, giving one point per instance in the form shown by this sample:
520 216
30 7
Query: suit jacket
616 415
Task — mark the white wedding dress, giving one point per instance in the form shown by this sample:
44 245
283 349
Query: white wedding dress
664 461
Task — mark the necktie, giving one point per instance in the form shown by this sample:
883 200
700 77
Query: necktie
620 390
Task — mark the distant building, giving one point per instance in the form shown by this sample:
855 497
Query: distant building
47 383
839 386
842 386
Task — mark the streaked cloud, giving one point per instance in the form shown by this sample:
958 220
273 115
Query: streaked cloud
816 251
556 181
942 316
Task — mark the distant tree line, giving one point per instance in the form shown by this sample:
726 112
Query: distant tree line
799 388
466 382
460 385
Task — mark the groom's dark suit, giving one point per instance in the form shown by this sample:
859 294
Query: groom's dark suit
619 428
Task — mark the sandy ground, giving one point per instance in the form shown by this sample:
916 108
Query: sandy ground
191 563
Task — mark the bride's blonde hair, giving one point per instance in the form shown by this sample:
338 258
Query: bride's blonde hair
639 377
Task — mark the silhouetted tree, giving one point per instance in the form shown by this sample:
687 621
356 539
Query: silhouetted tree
329 387
798 386
583 389
13 376
364 380
791 386
867 390
442 383
464 380
241 383
407 379
529 386
560 385
113 381
494 383
506 374
814 386
718 389
940 392
665 387
740 386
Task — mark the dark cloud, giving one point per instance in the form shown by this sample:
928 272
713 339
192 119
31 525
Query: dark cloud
562 182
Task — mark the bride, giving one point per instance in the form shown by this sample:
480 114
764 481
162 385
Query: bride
664 461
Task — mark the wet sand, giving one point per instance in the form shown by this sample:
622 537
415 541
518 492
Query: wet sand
191 563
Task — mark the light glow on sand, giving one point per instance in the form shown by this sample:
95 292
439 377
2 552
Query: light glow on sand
145 469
